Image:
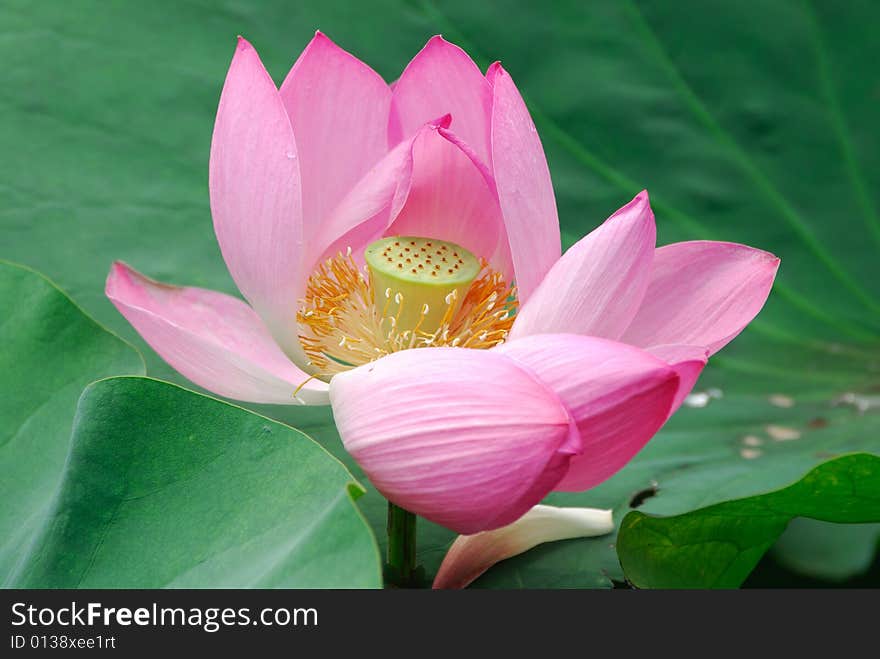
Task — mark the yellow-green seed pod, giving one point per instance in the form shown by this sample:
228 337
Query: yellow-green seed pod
419 281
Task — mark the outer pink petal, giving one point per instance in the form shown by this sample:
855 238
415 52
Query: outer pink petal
688 362
618 395
597 286
525 190
442 79
450 199
215 340
471 555
338 107
255 195
465 438
702 293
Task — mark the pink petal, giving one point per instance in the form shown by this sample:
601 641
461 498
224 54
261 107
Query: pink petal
338 107
255 196
450 199
618 395
442 79
525 190
431 186
688 362
371 205
215 340
465 438
597 286
471 555
702 293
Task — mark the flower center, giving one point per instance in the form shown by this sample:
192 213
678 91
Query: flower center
413 293
426 278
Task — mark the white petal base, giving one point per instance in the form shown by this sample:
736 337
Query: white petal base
471 555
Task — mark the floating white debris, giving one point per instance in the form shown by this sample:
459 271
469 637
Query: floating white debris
860 402
702 398
752 440
781 400
697 399
750 453
782 433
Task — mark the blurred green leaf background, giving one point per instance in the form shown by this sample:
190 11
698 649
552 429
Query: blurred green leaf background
752 123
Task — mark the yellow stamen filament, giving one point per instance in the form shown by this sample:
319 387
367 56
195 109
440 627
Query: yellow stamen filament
341 327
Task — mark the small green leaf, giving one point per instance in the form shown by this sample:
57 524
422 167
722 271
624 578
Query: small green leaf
164 487
718 546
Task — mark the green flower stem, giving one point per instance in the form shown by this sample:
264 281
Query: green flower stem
401 570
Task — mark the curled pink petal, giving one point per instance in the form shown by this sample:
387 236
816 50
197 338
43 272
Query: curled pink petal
597 286
371 205
254 182
618 395
431 186
215 340
465 438
450 199
702 293
442 79
471 555
338 107
688 362
525 191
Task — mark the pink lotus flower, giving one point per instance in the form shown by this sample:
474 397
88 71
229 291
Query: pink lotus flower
440 186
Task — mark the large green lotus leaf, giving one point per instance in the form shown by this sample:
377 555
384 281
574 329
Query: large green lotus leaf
718 546
165 487
753 124
49 350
